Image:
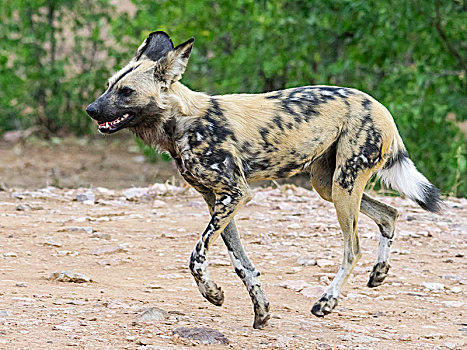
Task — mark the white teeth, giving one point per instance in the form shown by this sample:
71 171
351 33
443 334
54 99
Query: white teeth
108 125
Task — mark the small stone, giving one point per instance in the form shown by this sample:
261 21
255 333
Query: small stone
101 235
109 250
154 286
452 303
294 226
135 193
159 204
296 285
10 255
5 313
66 252
203 335
433 286
324 279
22 207
306 261
456 289
313 291
152 314
20 284
66 276
86 198
117 304
87 229
324 262
51 243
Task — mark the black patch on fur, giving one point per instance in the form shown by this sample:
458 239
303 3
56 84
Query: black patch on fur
287 169
158 44
216 119
278 121
431 199
367 156
121 77
366 103
275 95
399 157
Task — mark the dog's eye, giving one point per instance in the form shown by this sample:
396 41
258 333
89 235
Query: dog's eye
126 91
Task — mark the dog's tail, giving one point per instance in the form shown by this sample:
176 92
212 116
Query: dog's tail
400 173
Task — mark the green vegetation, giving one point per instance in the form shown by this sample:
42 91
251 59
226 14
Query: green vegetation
55 56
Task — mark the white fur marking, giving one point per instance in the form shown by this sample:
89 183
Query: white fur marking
250 276
383 249
227 200
342 92
404 177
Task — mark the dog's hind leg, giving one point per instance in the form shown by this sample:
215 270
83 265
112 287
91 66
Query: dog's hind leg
382 214
385 217
351 174
243 267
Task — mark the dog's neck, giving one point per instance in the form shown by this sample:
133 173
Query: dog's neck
182 107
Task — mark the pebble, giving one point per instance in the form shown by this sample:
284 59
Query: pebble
67 276
101 235
159 204
452 303
109 250
456 290
117 304
203 335
10 255
152 314
87 229
86 198
135 193
313 291
324 262
296 285
22 207
51 243
5 313
306 261
433 286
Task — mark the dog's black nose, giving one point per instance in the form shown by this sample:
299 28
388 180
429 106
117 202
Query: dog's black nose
92 110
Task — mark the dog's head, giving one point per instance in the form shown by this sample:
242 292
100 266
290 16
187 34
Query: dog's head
137 94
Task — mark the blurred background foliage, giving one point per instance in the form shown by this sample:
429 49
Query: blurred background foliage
411 55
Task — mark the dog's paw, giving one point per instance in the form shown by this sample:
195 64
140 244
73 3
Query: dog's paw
379 273
261 320
213 293
324 306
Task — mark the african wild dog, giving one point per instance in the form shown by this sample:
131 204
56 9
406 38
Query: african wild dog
221 143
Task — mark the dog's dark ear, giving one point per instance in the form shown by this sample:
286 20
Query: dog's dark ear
173 66
156 45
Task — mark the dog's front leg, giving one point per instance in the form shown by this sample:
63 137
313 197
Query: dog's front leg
242 264
227 202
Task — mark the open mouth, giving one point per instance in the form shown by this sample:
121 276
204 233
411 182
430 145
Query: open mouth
115 125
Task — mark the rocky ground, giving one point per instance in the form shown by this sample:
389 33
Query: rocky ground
107 269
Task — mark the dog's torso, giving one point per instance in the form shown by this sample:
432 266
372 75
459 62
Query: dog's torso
278 134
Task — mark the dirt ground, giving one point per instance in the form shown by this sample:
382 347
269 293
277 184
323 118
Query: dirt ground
134 244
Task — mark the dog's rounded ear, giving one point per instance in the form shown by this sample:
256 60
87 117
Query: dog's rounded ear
157 45
170 69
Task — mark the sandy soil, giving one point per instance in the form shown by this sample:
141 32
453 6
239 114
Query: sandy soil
134 245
